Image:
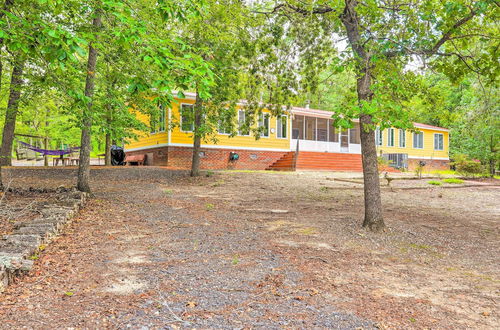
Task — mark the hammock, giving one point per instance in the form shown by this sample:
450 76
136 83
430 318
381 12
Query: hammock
50 152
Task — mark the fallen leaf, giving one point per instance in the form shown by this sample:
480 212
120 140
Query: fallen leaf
191 304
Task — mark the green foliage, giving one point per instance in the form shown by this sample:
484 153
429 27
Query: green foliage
419 169
435 183
467 167
453 181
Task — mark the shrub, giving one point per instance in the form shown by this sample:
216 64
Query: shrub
435 183
453 180
383 163
419 169
467 167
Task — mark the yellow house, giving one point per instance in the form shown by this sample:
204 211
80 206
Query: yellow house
310 132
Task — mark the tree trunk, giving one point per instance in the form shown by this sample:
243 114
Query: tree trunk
374 219
11 114
373 204
84 166
195 164
107 152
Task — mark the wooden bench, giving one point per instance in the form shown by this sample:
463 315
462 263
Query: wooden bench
139 159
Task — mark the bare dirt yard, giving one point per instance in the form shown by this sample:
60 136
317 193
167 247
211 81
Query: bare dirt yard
156 249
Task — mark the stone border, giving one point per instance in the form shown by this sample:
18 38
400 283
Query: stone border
16 249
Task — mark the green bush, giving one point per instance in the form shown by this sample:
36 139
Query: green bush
453 180
435 183
467 167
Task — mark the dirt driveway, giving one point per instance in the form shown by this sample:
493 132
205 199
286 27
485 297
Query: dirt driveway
265 250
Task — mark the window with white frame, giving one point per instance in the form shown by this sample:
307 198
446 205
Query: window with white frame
390 137
282 127
242 126
378 136
402 138
223 127
187 117
418 140
438 141
158 122
264 124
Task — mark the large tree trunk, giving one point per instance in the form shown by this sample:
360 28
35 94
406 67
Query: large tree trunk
107 152
373 204
84 166
195 164
11 114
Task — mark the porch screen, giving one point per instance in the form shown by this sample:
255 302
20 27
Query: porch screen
354 136
322 129
310 128
333 135
298 127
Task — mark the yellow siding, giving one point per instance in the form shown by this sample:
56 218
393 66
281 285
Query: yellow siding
428 150
271 142
186 138
146 139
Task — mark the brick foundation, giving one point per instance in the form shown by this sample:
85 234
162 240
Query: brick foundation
211 158
430 164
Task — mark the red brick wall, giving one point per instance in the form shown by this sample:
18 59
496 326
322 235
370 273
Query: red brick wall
430 164
219 158
180 157
154 156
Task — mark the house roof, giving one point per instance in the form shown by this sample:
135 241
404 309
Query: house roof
328 114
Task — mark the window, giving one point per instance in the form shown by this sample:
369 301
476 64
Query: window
322 129
354 134
378 136
310 126
418 140
438 141
242 127
390 137
264 124
298 127
224 127
402 138
158 124
333 135
187 117
282 126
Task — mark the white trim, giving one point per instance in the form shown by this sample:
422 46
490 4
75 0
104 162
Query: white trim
440 129
278 127
428 157
389 130
203 146
211 146
169 133
399 138
264 114
160 145
244 121
413 140
434 141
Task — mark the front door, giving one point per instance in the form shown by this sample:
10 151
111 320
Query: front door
344 140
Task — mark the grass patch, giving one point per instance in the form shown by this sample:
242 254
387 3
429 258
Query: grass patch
306 231
209 206
168 192
453 180
435 182
419 246
444 172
